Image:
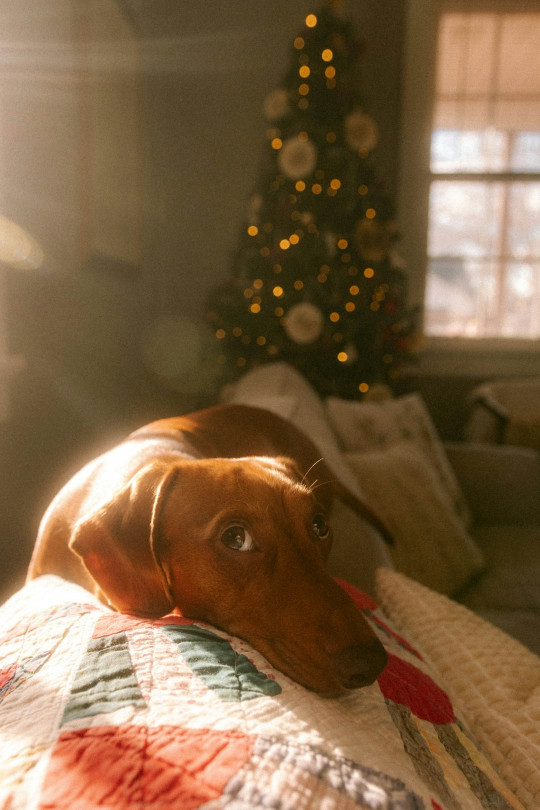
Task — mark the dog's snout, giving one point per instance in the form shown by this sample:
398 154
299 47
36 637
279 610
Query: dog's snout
360 664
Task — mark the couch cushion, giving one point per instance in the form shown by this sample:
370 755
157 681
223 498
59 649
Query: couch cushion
492 678
365 426
512 575
430 542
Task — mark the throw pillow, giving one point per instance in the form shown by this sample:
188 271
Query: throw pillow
430 542
371 426
493 681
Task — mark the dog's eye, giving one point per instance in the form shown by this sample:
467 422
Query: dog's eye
237 539
320 527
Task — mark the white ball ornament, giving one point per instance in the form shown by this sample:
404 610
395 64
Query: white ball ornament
276 105
297 158
304 323
361 131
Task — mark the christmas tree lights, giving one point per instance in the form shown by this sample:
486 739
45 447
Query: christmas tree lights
316 280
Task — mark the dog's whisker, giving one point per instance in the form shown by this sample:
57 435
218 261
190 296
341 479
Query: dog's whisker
303 481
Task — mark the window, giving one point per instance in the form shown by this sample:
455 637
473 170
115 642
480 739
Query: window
483 229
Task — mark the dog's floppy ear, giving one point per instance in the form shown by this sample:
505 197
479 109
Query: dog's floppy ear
115 544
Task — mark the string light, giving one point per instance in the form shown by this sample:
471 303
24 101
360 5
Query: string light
299 186
220 334
299 43
350 306
363 388
311 20
304 71
277 143
327 55
237 331
334 317
371 213
303 89
369 272
330 72
253 230
278 291
255 309
343 357
354 290
342 244
316 188
284 244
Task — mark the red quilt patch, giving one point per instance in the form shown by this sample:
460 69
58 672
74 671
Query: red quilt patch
130 767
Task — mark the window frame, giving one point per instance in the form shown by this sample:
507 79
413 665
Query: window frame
442 355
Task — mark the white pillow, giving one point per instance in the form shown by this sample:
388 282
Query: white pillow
280 388
431 543
364 426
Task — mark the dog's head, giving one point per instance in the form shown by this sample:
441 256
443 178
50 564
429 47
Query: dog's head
241 544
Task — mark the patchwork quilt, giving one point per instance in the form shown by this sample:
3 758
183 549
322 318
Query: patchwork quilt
102 710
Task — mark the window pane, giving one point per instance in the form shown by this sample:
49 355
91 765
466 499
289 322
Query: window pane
523 229
488 89
460 297
463 218
525 154
484 259
471 151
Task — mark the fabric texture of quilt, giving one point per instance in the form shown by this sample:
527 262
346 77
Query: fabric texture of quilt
102 710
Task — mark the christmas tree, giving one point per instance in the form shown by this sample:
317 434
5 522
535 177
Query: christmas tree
316 280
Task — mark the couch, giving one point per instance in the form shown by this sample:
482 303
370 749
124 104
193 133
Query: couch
118 712
466 515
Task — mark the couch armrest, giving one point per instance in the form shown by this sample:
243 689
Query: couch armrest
501 483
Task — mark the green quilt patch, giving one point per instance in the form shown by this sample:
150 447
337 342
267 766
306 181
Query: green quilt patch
212 659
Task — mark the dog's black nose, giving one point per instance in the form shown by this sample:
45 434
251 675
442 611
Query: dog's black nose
360 664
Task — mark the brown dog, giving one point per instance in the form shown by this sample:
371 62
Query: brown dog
208 514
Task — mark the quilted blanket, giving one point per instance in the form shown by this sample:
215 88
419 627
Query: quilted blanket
102 710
